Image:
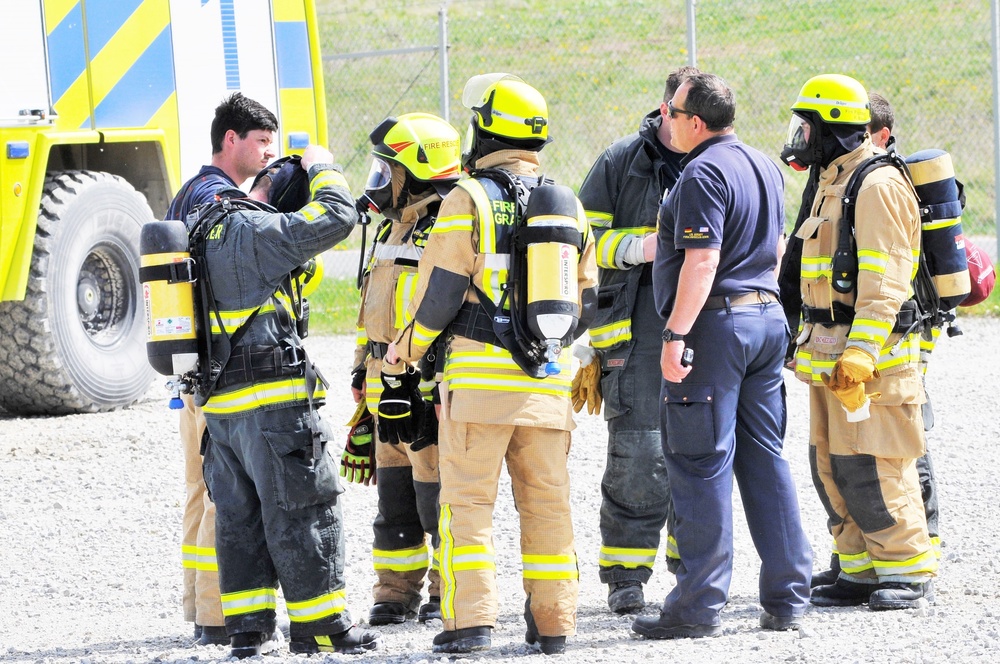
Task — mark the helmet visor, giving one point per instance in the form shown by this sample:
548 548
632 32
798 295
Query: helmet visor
799 131
477 86
379 176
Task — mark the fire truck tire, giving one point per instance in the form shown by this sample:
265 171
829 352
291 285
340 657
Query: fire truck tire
76 342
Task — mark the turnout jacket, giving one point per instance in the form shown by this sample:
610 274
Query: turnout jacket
467 250
887 234
621 195
249 255
390 282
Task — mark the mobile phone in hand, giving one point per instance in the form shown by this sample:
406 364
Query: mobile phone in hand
687 357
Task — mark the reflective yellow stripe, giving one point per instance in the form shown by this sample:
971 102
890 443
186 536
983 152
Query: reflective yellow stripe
232 320
872 261
199 557
487 228
550 567
924 563
327 178
262 394
938 224
599 220
406 287
423 336
626 557
855 563
447 573
317 608
874 331
249 601
313 211
453 223
672 550
607 245
472 557
361 335
606 336
403 560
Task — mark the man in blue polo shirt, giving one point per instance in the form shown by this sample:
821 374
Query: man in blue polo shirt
723 411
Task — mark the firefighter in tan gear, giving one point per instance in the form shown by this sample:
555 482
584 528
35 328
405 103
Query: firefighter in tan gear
417 160
860 356
492 411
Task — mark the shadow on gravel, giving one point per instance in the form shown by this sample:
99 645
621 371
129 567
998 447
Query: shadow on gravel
143 649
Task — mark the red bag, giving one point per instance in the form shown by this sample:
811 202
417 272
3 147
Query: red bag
981 274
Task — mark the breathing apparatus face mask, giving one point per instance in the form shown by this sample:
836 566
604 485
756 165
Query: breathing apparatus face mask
378 188
803 146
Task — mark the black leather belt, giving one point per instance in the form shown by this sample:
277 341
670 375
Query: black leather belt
739 299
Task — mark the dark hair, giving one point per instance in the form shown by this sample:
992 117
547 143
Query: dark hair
676 78
242 115
882 115
711 99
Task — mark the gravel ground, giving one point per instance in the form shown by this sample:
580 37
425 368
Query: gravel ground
90 508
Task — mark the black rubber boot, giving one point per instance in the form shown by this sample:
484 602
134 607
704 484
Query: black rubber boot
213 636
389 613
251 644
891 596
469 639
550 645
827 577
626 597
842 593
430 610
354 641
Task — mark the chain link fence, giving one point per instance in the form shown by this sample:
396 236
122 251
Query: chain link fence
601 65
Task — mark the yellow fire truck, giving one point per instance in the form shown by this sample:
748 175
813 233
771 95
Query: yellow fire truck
105 109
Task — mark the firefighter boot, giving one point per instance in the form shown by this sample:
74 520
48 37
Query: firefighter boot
625 597
842 593
829 576
894 595
213 636
389 613
550 645
251 644
429 610
353 641
468 639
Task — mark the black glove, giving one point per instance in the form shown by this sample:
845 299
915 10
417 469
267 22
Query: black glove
428 432
358 378
357 463
398 412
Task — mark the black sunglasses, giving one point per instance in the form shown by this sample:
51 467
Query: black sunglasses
673 110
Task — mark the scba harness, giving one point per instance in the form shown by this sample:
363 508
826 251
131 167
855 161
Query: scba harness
942 279
534 311
178 287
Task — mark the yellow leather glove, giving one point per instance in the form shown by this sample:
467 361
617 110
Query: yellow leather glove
852 396
854 367
586 385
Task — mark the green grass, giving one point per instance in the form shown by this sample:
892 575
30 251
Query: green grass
333 307
601 66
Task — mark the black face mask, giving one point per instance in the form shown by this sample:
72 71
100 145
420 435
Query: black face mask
803 143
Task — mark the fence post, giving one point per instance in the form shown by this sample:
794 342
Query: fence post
443 58
692 52
995 15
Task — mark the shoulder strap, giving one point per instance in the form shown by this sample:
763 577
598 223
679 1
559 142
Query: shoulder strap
845 259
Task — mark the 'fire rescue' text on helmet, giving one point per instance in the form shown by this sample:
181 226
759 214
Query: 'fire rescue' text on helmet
831 98
428 149
507 113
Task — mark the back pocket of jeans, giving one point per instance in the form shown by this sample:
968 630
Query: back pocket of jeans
688 416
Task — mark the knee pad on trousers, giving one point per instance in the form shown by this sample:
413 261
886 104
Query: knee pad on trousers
833 519
858 481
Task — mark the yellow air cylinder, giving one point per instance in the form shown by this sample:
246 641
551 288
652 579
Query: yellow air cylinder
553 308
167 276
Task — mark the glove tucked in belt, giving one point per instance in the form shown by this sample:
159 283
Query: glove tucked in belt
854 368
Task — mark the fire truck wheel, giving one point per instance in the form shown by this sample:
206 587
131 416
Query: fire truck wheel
76 342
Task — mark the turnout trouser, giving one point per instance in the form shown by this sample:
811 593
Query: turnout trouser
407 514
471 456
866 477
201 570
278 519
635 494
